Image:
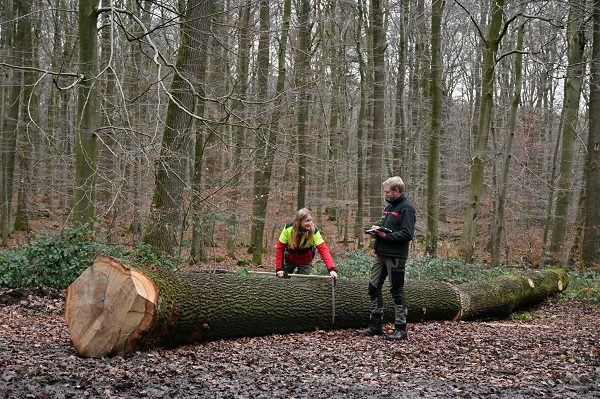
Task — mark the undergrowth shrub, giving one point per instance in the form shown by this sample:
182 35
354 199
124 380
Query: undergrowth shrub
358 265
145 254
57 259
51 259
583 286
451 270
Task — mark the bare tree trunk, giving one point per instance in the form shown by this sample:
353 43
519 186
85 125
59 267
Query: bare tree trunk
467 240
12 49
400 149
550 205
379 81
86 158
419 98
28 132
134 169
302 71
433 165
239 106
499 219
569 117
202 137
575 248
591 249
164 223
360 137
262 179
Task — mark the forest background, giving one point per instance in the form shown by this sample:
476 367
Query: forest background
191 126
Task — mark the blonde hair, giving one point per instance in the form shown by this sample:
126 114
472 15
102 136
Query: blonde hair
297 236
394 183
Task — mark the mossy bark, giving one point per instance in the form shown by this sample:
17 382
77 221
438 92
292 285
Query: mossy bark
183 307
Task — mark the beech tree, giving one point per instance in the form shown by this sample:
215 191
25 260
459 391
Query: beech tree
323 100
267 141
13 42
591 249
492 41
498 224
301 79
114 307
376 170
164 224
569 120
86 157
433 197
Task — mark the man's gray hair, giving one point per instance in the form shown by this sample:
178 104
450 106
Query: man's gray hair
395 183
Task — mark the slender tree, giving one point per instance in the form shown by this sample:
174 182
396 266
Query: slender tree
569 117
492 42
401 143
499 218
203 135
361 149
378 101
86 157
591 240
239 107
268 145
302 71
164 224
12 49
433 164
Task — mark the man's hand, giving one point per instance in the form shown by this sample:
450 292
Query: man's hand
280 273
372 231
333 274
378 231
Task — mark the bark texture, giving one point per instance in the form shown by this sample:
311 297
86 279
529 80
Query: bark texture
114 307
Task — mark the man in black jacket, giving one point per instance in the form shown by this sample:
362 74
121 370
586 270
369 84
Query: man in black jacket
392 240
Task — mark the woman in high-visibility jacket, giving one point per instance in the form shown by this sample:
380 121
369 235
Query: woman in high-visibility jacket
297 245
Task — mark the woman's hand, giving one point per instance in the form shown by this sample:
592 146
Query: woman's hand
333 274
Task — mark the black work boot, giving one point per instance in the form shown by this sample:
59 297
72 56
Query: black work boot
375 328
399 333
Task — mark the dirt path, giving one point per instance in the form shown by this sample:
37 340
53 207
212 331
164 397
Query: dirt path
555 354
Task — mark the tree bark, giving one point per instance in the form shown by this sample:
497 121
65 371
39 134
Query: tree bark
498 224
239 131
361 146
476 186
164 223
86 157
266 145
591 249
573 84
433 162
302 71
8 133
115 307
378 100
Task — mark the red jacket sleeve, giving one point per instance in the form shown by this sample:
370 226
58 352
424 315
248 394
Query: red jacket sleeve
326 256
279 250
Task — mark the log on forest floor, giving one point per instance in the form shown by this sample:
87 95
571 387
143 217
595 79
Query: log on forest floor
114 307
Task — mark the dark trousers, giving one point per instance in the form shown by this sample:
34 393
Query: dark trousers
383 267
303 268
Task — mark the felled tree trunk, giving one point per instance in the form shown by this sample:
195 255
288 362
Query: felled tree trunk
114 307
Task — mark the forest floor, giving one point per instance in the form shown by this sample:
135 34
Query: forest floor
552 351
